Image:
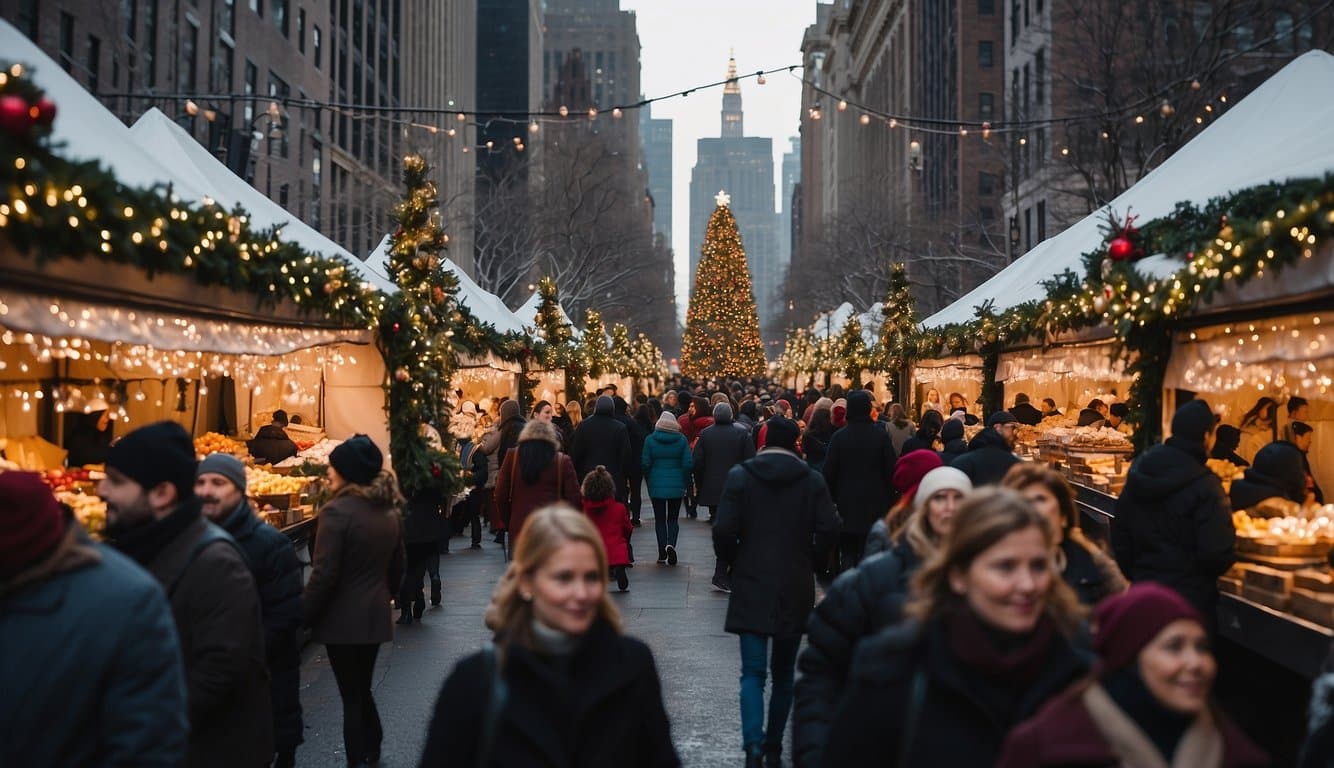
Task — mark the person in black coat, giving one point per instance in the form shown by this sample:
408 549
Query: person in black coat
1279 470
423 528
633 474
1173 524
603 439
947 687
952 436
558 688
1227 439
775 521
859 471
271 444
991 453
720 446
927 432
815 440
1024 411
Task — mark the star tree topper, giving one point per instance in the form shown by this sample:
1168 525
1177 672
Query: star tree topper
722 198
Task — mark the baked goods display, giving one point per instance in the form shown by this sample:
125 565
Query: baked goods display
1306 593
1288 536
1226 471
1102 438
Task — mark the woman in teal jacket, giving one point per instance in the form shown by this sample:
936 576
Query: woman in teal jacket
667 464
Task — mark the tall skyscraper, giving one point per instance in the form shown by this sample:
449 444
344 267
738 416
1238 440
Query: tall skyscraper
656 133
791 177
743 166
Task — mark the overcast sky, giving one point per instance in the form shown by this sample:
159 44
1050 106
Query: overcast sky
685 43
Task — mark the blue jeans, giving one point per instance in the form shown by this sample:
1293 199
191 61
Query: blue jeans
666 514
782 665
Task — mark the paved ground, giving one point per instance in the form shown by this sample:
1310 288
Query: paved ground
674 610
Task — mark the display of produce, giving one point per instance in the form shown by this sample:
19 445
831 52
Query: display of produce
315 453
214 442
1226 471
67 479
263 483
90 510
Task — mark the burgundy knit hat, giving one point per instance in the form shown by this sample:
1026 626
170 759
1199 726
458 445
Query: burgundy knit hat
31 522
911 468
1124 624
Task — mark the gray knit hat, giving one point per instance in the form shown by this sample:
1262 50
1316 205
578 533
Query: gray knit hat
223 464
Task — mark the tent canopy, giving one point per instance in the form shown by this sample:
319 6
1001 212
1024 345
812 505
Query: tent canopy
484 305
1279 132
157 133
528 314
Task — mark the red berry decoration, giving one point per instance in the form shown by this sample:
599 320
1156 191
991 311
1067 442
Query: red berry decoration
14 116
1121 248
46 111
396 327
435 470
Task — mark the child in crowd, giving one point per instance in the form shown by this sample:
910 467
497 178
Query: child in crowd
612 520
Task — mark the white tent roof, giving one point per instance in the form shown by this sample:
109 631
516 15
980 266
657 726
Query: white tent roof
528 313
486 306
871 320
157 133
1279 132
88 130
831 323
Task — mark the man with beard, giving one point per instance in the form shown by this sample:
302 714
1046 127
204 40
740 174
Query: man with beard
220 485
155 519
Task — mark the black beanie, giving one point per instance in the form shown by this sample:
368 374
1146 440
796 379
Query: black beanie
1193 421
358 460
158 453
953 430
781 433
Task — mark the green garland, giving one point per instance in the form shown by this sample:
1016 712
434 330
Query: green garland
56 208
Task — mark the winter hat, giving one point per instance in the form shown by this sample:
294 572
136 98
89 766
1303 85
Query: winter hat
223 464
1124 624
959 415
953 430
942 479
859 405
783 407
1001 417
824 403
31 522
158 453
839 415
911 468
1279 465
722 413
1193 420
781 433
508 410
668 423
540 430
359 459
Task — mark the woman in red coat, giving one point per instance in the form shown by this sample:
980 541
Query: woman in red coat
1148 706
612 520
534 475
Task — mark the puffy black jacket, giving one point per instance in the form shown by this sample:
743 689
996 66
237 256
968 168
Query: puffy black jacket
1279 470
1173 524
954 449
422 521
860 602
271 445
987 460
816 446
775 521
601 439
277 571
719 448
859 467
1025 413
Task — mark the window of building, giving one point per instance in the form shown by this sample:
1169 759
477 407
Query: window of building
283 191
129 10
258 7
94 60
278 10
986 7
1244 35
279 91
222 71
1026 18
1014 22
150 42
315 184
1028 230
1042 220
988 213
1014 94
986 104
1028 103
315 44
985 54
301 29
189 59
1037 6
227 17
1283 26
28 19
986 183
1040 148
1306 35
250 87
1040 65
66 41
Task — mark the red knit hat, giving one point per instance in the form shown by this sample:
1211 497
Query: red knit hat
1124 624
31 522
911 468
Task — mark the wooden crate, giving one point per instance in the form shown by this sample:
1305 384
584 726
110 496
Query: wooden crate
1314 606
1276 600
1313 580
1268 579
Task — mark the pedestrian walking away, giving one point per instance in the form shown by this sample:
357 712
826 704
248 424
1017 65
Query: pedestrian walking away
859 471
561 685
534 475
496 445
775 520
358 564
667 462
89 653
154 517
423 528
720 447
220 484
612 519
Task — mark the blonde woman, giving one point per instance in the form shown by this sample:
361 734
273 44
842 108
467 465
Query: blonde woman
989 643
575 412
562 684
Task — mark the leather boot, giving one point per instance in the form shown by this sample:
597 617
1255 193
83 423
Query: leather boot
404 615
754 760
435 591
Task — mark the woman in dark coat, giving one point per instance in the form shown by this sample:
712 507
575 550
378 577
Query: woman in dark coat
928 429
815 440
951 434
719 448
989 644
534 475
1148 706
562 686
1279 471
358 563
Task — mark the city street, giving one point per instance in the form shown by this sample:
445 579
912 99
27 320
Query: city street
674 610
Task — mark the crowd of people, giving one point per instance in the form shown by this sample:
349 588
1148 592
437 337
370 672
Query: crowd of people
954 611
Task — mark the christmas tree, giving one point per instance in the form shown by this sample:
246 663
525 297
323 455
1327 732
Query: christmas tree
851 350
416 327
593 353
722 335
898 327
622 354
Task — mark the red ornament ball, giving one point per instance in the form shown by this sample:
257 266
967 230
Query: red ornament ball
46 111
435 470
14 116
396 327
1120 248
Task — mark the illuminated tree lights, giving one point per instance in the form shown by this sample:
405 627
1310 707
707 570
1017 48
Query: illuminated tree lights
722 336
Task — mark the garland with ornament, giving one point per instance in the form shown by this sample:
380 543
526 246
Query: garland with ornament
620 353
647 361
55 208
559 350
850 350
417 326
594 356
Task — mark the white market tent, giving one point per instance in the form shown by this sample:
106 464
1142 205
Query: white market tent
157 133
484 305
1278 132
528 314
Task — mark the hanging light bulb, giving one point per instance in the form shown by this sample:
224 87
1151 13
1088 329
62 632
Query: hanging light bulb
865 119
592 113
842 105
759 78
564 111
616 113
533 127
